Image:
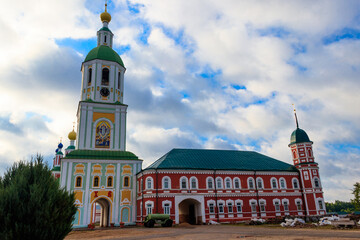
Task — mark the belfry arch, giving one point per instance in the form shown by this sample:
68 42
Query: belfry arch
103 212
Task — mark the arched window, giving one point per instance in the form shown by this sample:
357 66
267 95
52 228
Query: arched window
110 182
210 183
193 183
166 183
119 81
78 181
149 183
102 137
126 181
260 184
295 183
282 183
237 183
105 38
105 77
96 181
274 183
89 76
183 183
227 183
262 205
250 183
219 183
316 182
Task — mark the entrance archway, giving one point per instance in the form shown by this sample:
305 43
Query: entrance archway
190 211
101 212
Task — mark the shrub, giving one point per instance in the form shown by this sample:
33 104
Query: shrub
32 205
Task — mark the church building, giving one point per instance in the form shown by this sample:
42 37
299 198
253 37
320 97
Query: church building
191 185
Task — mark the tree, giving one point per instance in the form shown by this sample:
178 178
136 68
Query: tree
356 200
339 206
32 205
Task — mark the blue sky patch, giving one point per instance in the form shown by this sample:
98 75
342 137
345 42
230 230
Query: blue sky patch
346 33
81 45
6 125
299 48
144 35
238 87
297 65
179 38
134 8
278 32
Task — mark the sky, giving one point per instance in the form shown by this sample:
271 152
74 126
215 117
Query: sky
200 74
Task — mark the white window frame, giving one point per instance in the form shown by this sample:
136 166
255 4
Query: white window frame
278 203
322 208
164 203
207 182
237 202
186 182
280 180
287 204
253 183
262 203
276 183
298 200
193 180
209 203
163 182
259 179
234 183
149 206
151 183
219 180
228 180
297 181
252 203
318 180
221 206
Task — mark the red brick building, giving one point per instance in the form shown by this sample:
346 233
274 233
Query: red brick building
197 186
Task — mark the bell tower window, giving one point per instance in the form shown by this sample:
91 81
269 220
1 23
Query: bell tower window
105 77
89 76
119 81
105 38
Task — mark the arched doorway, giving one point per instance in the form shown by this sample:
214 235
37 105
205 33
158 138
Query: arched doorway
101 212
190 211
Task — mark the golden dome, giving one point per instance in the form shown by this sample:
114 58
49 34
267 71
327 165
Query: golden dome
105 17
72 135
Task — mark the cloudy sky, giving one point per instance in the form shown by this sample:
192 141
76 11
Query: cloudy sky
200 74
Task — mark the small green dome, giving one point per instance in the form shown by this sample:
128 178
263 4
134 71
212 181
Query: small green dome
299 136
104 53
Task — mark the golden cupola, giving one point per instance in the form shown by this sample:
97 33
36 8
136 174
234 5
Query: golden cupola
105 16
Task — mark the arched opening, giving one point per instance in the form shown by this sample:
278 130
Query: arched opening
101 212
190 211
105 77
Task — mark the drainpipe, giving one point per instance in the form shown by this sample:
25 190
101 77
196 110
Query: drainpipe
142 195
257 195
216 203
302 194
157 191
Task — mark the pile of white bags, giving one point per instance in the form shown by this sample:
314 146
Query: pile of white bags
327 220
292 222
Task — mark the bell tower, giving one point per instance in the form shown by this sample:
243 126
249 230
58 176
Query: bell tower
304 161
101 116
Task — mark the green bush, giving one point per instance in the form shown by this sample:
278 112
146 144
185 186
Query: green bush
32 205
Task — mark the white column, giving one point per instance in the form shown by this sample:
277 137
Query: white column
88 127
81 138
117 194
68 187
87 207
117 129
63 174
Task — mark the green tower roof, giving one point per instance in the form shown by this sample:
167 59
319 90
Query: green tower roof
101 154
104 53
219 160
299 136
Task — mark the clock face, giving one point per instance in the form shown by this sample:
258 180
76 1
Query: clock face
104 92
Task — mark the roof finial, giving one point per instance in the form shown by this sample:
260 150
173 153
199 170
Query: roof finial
105 5
297 123
73 126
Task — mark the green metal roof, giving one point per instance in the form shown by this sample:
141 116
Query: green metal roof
55 169
299 136
219 160
105 29
104 53
70 147
101 154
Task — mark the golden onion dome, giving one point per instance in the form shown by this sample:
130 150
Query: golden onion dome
72 135
105 16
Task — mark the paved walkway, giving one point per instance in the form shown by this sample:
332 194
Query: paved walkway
216 232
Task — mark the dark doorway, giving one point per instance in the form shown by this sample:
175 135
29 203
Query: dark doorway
192 217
